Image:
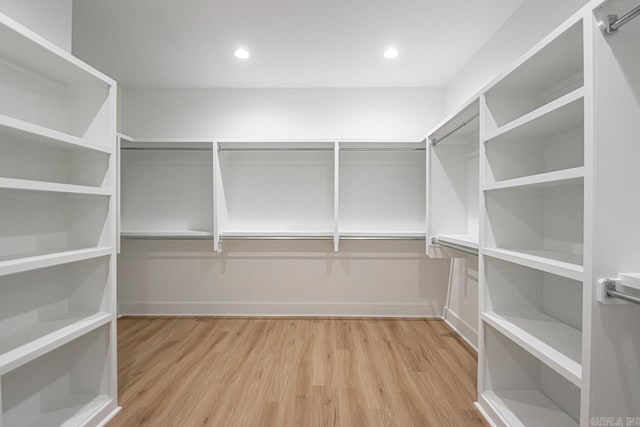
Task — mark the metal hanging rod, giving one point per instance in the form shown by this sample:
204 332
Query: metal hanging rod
274 237
165 237
435 241
384 149
167 148
613 23
386 237
436 141
274 149
613 293
318 149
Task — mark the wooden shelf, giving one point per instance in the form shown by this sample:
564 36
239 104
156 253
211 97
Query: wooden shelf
556 344
21 129
32 185
543 180
26 345
167 235
526 409
50 259
73 410
554 262
460 240
564 113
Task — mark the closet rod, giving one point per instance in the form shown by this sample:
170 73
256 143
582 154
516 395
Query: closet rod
436 141
167 148
435 241
613 293
614 23
383 149
320 149
161 237
310 237
386 237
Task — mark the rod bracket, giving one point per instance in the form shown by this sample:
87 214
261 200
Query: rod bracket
609 20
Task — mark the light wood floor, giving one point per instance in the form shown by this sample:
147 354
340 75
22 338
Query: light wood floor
294 372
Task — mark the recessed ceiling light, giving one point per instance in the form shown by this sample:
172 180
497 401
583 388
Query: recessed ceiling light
391 53
242 54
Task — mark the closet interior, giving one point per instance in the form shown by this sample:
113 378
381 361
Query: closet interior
514 220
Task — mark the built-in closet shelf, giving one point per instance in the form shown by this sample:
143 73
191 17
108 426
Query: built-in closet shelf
465 241
556 344
51 259
21 129
527 408
167 235
564 113
543 180
390 235
54 187
630 280
26 345
554 262
276 234
73 410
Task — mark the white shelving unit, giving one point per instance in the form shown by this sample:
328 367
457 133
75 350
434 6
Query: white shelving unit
271 190
381 190
57 235
534 183
176 178
453 180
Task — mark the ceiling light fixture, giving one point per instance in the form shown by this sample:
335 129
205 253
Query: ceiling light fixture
390 53
242 54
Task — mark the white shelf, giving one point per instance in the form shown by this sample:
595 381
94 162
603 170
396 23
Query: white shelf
460 240
32 185
554 343
561 114
24 130
383 234
554 262
276 234
27 48
73 411
28 344
528 408
169 235
50 259
630 280
543 180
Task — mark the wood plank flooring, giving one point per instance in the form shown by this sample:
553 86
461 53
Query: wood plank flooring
294 372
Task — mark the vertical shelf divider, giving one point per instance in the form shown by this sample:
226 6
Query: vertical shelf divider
336 196
217 181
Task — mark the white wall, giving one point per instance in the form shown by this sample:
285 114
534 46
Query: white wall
405 113
281 278
531 22
49 18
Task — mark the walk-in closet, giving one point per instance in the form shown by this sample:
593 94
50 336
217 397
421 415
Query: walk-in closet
297 213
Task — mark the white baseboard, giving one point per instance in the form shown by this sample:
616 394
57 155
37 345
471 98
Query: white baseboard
462 328
102 417
278 309
484 413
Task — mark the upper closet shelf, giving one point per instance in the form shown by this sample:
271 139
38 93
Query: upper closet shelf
21 129
564 113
